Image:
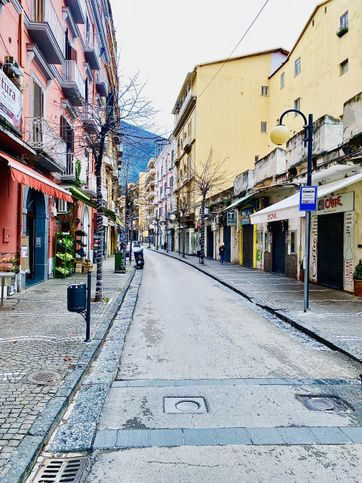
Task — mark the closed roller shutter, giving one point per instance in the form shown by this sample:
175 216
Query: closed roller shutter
330 250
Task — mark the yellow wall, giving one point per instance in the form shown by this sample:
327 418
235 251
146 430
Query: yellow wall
230 111
319 85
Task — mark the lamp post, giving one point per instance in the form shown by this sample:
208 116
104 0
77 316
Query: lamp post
279 135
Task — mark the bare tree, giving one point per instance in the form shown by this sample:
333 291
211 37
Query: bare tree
102 123
209 177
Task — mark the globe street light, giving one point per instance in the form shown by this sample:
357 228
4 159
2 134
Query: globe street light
279 135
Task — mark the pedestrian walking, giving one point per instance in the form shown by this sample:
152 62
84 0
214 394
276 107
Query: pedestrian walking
222 253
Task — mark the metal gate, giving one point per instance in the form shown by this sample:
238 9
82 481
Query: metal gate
210 242
227 243
330 250
248 245
278 248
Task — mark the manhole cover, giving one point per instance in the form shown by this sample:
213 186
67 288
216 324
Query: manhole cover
325 403
61 470
45 377
184 405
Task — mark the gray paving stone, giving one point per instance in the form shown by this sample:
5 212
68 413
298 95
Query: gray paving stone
105 439
134 438
199 437
232 436
330 435
296 435
265 436
354 433
166 437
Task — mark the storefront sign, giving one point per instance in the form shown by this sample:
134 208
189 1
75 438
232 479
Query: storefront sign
308 198
348 251
336 203
230 218
245 216
11 101
314 249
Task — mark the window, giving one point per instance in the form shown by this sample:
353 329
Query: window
343 21
264 90
189 126
282 80
263 126
256 158
343 67
172 157
293 240
297 104
297 66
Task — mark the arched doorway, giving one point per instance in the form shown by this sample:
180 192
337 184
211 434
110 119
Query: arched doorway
36 231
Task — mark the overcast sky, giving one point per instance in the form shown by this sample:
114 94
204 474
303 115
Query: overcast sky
164 39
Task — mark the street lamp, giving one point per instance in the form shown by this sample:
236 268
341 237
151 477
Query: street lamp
279 135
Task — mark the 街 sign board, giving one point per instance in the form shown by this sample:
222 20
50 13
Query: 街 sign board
11 101
308 198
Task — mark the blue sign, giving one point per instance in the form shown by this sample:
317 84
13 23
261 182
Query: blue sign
308 198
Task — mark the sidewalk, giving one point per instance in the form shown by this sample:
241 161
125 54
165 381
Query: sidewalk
334 318
43 357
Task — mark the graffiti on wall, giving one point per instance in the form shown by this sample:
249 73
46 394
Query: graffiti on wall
348 251
314 249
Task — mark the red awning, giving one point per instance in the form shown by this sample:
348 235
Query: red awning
28 176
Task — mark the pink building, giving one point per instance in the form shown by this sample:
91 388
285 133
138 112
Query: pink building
56 57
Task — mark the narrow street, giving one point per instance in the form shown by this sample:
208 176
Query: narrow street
191 338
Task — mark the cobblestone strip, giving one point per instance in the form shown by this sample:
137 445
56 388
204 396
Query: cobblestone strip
77 432
140 438
46 405
280 313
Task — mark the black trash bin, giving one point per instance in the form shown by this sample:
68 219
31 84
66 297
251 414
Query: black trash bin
77 297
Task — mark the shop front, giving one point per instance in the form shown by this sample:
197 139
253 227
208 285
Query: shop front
336 244
246 238
332 235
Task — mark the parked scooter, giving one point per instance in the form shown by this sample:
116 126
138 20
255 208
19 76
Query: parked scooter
138 256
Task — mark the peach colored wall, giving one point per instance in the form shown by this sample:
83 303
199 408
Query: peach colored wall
8 210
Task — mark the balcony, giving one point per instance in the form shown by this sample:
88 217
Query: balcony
73 83
92 55
183 111
69 175
91 188
78 8
47 31
89 120
49 147
102 86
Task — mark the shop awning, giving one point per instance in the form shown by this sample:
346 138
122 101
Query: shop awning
28 176
80 195
236 203
289 207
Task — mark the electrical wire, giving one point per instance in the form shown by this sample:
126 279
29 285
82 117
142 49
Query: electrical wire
236 46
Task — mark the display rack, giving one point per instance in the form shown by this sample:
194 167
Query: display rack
64 259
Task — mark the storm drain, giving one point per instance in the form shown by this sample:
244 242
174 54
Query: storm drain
184 405
45 377
325 403
61 470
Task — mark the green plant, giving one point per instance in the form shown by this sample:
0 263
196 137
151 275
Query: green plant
358 271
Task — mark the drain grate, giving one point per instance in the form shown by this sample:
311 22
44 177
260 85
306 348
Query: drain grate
325 403
61 470
184 405
45 377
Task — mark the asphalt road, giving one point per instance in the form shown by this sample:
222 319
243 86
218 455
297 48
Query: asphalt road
192 338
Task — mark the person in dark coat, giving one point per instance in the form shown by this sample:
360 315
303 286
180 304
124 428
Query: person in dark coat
222 253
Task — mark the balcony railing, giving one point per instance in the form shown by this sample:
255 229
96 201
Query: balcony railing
47 31
78 9
50 148
73 83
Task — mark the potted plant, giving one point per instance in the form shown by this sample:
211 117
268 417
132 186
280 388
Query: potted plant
357 278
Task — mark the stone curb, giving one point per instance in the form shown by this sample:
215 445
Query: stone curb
25 455
78 432
278 313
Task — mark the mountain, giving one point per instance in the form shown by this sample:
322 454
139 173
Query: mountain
139 146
